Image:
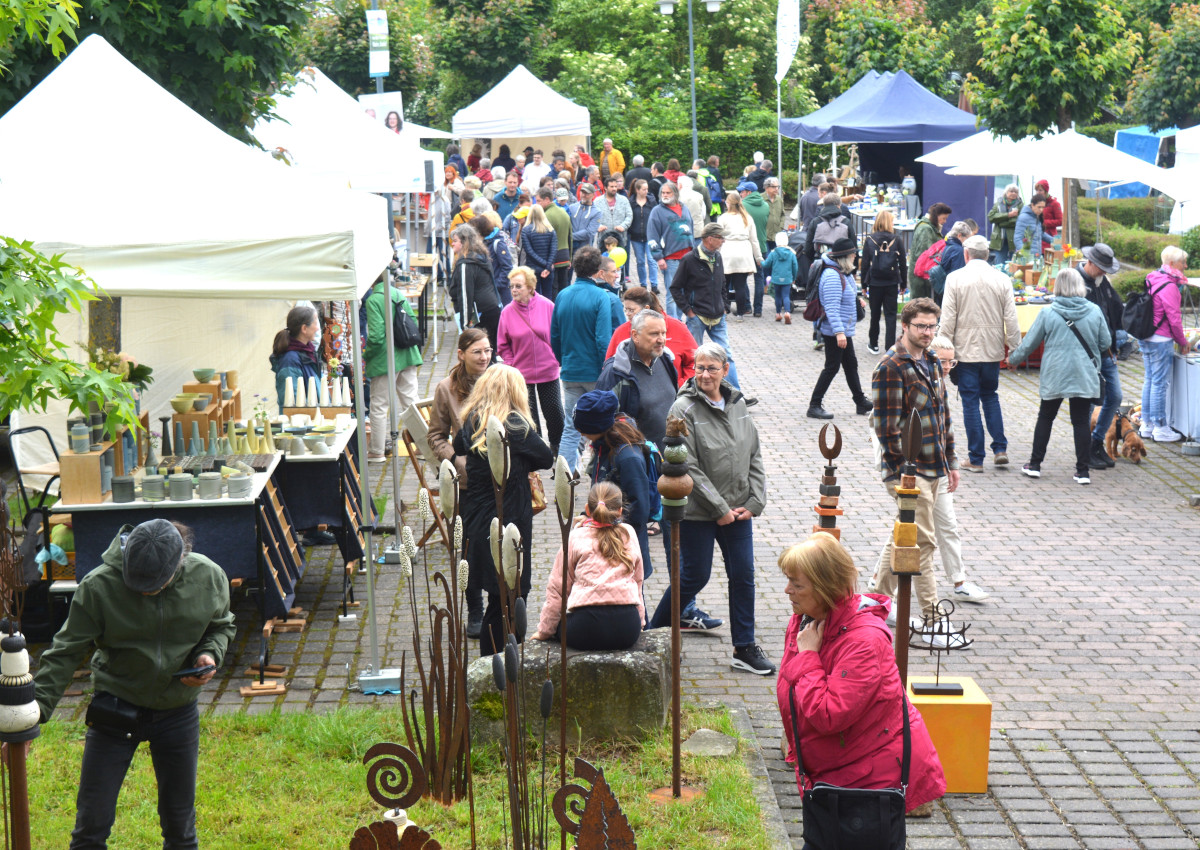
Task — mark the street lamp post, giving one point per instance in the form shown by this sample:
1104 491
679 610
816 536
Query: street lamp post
667 7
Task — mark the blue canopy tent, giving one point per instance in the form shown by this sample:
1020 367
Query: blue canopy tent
1139 142
894 120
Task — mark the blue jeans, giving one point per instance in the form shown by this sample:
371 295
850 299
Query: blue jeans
696 539
1112 396
668 302
568 446
783 297
760 284
977 383
647 269
718 333
174 738
1158 358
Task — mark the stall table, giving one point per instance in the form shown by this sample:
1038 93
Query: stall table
1183 400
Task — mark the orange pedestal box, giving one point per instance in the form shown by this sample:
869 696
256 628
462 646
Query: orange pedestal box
961 729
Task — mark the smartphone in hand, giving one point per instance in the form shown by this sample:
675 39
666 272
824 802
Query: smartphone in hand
193 671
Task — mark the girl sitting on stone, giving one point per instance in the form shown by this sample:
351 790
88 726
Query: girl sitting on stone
604 580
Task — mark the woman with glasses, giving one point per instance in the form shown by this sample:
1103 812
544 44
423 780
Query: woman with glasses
730 490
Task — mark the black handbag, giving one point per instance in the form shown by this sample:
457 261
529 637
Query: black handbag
838 818
113 715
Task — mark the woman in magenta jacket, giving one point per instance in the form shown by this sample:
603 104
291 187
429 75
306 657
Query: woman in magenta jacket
1159 349
839 665
523 342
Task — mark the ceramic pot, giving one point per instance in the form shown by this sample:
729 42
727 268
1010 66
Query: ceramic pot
240 486
231 379
153 488
122 488
209 486
81 438
181 486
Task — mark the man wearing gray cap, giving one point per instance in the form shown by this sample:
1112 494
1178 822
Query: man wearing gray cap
1099 262
698 288
158 616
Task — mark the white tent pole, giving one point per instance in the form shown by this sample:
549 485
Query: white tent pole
390 308
364 485
778 118
432 298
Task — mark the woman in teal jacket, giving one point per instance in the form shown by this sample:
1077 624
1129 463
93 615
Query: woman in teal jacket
294 353
376 370
1070 367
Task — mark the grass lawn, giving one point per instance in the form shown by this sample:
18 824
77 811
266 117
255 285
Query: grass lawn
297 781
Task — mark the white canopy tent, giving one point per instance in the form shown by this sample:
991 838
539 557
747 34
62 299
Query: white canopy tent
324 131
521 110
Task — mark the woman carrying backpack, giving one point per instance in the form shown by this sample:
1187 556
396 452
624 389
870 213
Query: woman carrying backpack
883 265
1158 348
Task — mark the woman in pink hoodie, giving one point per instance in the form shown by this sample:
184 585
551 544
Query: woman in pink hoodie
604 580
840 671
1158 350
523 342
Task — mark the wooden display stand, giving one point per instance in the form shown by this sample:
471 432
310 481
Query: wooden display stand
327 412
961 729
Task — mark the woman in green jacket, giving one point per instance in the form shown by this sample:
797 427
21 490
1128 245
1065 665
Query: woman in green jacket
1003 217
927 231
376 369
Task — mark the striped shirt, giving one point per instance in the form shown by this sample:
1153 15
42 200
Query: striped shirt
900 385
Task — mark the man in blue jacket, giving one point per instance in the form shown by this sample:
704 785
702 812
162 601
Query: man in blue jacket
670 237
585 316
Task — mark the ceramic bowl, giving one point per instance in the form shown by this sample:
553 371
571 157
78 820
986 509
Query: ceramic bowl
206 396
199 403
204 375
181 405
1191 449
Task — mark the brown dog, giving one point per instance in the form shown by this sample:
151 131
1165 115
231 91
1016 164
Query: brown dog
1122 432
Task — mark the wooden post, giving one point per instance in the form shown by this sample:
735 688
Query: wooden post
676 650
18 783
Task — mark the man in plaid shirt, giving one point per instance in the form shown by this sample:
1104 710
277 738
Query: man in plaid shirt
909 378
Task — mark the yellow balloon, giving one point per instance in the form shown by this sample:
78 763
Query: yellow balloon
618 256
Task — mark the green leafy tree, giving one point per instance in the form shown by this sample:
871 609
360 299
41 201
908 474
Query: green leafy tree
223 58
335 40
885 36
44 21
1048 63
35 365
1166 84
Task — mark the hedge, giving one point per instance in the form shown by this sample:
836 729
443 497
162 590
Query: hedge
1129 281
1137 247
1135 213
1106 133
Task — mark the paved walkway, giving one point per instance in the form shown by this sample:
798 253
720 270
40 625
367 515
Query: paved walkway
1086 647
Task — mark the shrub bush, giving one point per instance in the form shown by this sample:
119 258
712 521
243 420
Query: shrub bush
1190 242
1126 282
1104 132
1137 247
1137 213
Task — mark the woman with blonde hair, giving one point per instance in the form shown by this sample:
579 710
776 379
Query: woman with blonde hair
839 691
604 580
540 243
741 255
883 265
501 392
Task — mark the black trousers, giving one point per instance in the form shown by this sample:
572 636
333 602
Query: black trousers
489 320
603 627
549 399
1081 428
835 359
738 284
882 300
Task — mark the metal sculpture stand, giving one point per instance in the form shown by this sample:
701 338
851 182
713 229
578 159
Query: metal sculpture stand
395 780
827 505
906 555
937 628
675 485
564 503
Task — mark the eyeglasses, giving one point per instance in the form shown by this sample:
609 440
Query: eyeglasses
480 352
702 369
923 328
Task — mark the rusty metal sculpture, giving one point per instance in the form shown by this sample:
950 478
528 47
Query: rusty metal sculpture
906 555
395 780
675 485
827 505
601 824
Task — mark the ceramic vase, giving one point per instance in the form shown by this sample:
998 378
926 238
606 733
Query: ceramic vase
310 392
195 444
318 417
347 401
324 395
151 455
212 438
180 445
231 379
289 392
336 396
268 440
300 394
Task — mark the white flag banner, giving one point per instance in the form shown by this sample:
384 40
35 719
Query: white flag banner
378 57
787 36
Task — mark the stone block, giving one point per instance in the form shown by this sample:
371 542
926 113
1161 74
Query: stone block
906 560
904 534
609 694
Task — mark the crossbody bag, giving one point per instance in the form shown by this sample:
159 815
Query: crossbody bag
1094 358
837 818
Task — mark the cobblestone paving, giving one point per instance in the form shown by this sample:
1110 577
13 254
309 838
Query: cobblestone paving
1086 647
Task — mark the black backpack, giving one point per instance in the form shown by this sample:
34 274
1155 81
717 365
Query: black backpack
1138 319
405 333
883 263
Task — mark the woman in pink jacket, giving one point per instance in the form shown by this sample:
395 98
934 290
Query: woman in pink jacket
604 580
523 342
1158 350
839 666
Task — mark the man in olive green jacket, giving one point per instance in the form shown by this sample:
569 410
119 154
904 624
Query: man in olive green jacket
1003 218
153 610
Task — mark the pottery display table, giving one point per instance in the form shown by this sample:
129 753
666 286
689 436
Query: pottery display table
252 539
1183 399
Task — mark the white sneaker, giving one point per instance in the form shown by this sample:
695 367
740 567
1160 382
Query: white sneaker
1165 434
1146 432
969 592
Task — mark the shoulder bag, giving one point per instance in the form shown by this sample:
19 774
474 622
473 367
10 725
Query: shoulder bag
1095 360
838 818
